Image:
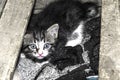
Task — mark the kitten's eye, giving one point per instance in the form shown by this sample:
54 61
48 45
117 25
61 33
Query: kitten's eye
47 46
32 46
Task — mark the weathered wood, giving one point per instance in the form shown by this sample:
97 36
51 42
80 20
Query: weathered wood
40 4
12 26
109 68
2 4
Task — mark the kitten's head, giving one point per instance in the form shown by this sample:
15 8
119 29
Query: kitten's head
39 43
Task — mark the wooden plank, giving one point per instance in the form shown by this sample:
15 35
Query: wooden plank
40 4
2 4
12 27
109 68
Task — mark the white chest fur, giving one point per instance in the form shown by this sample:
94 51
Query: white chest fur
79 36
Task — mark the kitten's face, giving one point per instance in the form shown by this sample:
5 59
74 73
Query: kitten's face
39 49
39 45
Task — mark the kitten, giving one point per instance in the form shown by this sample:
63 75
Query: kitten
38 45
56 27
70 16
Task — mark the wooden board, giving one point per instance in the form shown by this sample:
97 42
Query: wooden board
40 4
13 23
2 4
109 68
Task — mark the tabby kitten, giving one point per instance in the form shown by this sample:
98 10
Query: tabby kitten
38 45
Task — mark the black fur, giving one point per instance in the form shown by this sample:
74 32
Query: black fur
68 14
67 56
93 45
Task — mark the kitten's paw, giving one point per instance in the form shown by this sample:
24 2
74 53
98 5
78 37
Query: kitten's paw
86 57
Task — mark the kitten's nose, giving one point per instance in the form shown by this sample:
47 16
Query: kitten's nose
40 54
39 51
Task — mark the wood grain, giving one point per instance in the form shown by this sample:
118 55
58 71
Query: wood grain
2 4
109 68
13 23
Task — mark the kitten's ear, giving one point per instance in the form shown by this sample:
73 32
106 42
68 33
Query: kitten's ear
27 35
27 38
52 33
